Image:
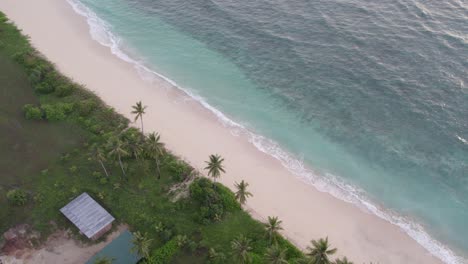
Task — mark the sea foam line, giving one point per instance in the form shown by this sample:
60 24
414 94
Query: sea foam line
101 32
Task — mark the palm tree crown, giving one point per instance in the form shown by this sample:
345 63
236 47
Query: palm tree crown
100 156
139 111
117 149
242 194
155 149
343 261
275 255
241 247
141 244
321 251
272 227
215 166
155 146
103 260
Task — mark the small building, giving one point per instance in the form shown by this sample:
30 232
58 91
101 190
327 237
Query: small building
91 218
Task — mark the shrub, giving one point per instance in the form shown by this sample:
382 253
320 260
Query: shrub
164 254
57 112
85 107
214 200
17 197
103 180
228 198
73 169
32 112
44 88
64 89
36 75
178 169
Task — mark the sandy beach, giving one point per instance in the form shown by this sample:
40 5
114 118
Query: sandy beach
192 132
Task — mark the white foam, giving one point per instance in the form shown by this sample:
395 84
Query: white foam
101 32
462 139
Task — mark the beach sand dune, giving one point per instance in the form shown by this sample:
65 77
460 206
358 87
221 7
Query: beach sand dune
192 132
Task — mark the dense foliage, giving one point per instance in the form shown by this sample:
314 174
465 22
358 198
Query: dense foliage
17 197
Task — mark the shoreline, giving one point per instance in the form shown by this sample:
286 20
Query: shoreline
358 235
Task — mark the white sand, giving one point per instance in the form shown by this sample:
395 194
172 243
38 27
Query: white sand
193 133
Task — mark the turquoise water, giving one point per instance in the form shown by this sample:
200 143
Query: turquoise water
372 96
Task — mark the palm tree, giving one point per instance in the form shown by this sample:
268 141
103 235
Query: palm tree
134 143
117 149
215 256
275 255
139 111
215 166
240 249
343 261
100 157
305 260
103 260
141 244
242 194
155 149
321 251
273 227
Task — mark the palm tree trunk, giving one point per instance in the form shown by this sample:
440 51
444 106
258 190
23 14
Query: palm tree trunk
121 166
141 119
157 166
104 168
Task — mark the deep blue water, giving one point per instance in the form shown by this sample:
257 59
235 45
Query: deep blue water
372 95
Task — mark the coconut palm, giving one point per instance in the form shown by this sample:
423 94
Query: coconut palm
141 244
272 227
215 166
139 111
216 257
343 261
242 194
320 251
275 255
181 240
98 154
240 249
305 260
117 150
155 149
103 260
134 142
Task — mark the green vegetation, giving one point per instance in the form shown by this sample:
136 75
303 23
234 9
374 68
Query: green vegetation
241 249
141 244
103 260
320 251
59 140
17 197
273 226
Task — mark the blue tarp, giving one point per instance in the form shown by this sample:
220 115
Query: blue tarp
118 250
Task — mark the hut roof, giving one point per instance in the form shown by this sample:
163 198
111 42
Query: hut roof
86 214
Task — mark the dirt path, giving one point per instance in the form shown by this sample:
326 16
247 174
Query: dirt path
60 248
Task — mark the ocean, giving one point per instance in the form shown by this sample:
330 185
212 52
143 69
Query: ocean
366 100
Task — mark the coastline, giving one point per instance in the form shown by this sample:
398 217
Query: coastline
190 133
